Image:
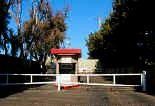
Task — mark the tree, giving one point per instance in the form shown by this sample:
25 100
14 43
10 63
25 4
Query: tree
8 38
128 35
134 20
4 17
16 39
43 31
33 38
99 44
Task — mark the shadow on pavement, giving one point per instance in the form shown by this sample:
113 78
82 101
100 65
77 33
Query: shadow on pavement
6 91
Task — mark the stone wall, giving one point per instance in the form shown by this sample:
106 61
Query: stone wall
87 65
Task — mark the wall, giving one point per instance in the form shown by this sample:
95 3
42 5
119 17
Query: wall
87 65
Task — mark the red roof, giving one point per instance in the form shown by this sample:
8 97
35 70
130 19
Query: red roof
66 51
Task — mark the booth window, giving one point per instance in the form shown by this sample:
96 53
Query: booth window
67 68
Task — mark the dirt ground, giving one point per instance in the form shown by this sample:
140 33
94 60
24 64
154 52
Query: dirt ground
47 95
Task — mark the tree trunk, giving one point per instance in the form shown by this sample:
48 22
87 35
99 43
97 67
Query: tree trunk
42 61
5 48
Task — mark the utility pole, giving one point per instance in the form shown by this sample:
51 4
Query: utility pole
99 20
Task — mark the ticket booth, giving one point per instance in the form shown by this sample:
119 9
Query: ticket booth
66 60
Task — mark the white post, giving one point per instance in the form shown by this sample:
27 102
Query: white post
144 81
31 79
59 82
7 79
87 78
114 79
141 79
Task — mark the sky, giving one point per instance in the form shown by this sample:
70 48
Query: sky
82 18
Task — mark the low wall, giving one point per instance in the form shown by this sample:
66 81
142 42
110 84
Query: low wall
87 65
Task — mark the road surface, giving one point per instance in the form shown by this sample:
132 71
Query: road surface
47 95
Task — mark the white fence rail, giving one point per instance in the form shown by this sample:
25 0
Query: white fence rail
31 79
58 77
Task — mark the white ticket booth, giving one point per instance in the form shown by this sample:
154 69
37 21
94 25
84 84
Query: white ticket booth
66 65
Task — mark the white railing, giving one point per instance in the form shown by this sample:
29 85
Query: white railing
31 79
110 75
58 82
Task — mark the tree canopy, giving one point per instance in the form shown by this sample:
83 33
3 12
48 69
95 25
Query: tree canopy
34 37
127 36
4 21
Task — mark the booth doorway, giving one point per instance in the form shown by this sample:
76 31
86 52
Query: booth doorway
67 68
